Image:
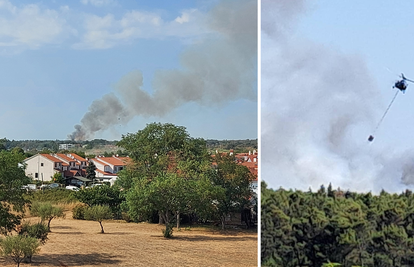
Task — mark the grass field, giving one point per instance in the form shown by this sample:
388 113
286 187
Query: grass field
79 243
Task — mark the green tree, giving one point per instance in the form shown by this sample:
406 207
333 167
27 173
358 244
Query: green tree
12 178
162 154
90 171
104 195
98 213
46 212
235 180
160 147
58 178
19 247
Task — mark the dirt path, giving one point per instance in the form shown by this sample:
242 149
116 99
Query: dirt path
79 243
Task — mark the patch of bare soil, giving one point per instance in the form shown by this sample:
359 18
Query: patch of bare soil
80 243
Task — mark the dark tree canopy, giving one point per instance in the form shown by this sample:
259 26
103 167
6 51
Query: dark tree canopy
347 228
12 178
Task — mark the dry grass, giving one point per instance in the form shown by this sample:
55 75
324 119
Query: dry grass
79 243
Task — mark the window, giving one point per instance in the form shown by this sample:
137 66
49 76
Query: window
41 164
36 175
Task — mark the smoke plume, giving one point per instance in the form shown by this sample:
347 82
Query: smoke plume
318 108
213 72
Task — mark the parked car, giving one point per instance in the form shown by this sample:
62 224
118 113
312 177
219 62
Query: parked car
44 186
93 185
54 185
73 188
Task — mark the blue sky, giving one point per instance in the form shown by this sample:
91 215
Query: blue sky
328 68
58 57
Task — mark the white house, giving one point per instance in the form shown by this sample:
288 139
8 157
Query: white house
43 166
108 167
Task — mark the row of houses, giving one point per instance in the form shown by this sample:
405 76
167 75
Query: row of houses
71 166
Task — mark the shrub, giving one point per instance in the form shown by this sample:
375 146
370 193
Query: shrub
126 217
19 248
37 230
55 196
78 212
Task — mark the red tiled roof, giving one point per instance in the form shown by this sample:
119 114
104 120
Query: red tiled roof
77 157
106 173
112 161
52 158
64 157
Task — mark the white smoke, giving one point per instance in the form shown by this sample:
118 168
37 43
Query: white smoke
213 72
318 109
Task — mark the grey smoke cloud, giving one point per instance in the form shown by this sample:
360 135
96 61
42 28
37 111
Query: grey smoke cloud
213 71
318 108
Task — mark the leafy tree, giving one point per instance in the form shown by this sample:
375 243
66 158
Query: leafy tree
12 178
90 171
104 195
170 194
19 247
3 144
163 154
235 180
98 213
160 147
58 178
46 212
17 150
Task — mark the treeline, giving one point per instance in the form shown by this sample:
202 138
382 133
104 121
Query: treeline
239 146
53 145
336 228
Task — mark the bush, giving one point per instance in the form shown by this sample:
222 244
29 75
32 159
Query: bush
126 217
37 230
55 196
19 248
78 212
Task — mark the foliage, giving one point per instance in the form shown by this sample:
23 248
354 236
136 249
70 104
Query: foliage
37 230
239 146
19 247
54 196
172 173
12 202
110 196
98 213
168 194
90 171
347 228
78 212
235 180
160 147
58 178
46 211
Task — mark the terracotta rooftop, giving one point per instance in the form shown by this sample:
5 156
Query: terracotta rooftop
77 157
112 160
52 158
64 157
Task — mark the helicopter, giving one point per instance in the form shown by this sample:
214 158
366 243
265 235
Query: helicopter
402 84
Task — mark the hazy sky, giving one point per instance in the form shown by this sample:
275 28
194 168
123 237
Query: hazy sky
111 67
328 68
